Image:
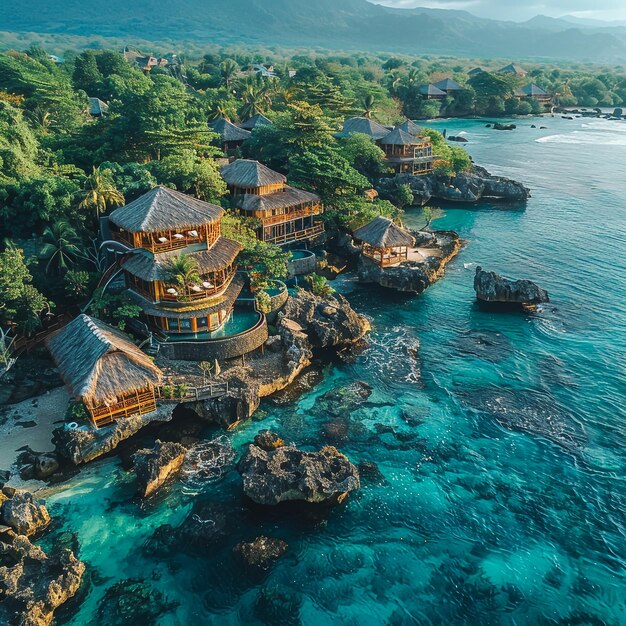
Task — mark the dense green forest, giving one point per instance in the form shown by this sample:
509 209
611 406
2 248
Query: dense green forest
61 169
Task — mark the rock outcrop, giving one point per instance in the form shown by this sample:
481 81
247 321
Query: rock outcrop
493 288
82 445
468 187
24 514
413 276
154 467
261 552
305 324
286 473
33 584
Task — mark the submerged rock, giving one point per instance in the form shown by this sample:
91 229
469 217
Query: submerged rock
156 466
287 473
33 584
267 440
278 606
24 514
261 552
133 602
484 344
491 287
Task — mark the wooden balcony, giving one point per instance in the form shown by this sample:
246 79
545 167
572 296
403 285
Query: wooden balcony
191 295
307 233
292 215
136 404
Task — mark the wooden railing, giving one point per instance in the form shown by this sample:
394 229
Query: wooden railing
291 215
316 229
212 390
192 296
138 404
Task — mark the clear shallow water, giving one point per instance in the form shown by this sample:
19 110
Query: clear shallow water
238 322
502 450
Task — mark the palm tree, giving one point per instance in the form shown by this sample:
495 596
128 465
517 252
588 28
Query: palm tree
184 271
368 104
60 246
228 71
99 192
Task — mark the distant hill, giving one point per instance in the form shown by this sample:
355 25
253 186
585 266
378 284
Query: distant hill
350 24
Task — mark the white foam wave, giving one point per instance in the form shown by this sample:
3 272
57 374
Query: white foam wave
584 138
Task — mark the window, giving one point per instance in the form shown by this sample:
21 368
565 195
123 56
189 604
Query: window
185 324
203 322
172 324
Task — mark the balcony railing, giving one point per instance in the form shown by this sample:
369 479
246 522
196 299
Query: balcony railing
201 293
307 233
291 215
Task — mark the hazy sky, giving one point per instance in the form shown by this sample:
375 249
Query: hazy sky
524 9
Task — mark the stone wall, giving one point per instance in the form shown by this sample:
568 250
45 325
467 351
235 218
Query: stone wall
299 267
220 349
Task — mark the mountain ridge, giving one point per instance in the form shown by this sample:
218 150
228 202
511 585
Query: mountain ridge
348 24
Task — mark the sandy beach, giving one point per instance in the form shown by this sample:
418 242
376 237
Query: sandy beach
30 423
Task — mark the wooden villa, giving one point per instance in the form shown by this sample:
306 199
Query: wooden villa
407 153
231 136
431 92
407 148
103 369
365 126
384 242
513 69
533 92
157 228
449 86
285 214
255 121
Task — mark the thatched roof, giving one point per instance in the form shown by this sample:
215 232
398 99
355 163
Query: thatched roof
363 125
156 267
163 209
381 232
229 132
224 301
511 68
255 121
397 137
531 90
431 90
475 71
447 84
279 200
99 364
97 107
246 173
411 127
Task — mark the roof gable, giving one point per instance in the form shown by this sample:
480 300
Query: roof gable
255 121
162 209
382 232
249 173
447 84
228 131
365 126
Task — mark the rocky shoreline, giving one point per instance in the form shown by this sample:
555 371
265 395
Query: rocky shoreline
438 249
464 187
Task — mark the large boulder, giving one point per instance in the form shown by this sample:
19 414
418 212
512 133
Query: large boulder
286 473
33 584
156 466
493 288
467 187
329 322
24 514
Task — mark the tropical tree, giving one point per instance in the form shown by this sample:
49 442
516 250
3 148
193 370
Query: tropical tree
60 247
99 192
319 286
184 271
368 103
228 72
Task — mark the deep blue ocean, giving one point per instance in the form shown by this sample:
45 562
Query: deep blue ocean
502 448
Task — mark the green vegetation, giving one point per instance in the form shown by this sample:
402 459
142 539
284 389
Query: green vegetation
62 169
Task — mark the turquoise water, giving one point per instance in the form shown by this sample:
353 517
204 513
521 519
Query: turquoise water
300 254
501 449
238 322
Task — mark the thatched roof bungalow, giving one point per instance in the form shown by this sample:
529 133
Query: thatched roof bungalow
255 121
231 136
514 69
384 242
448 85
245 176
363 125
409 126
532 91
430 92
103 369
